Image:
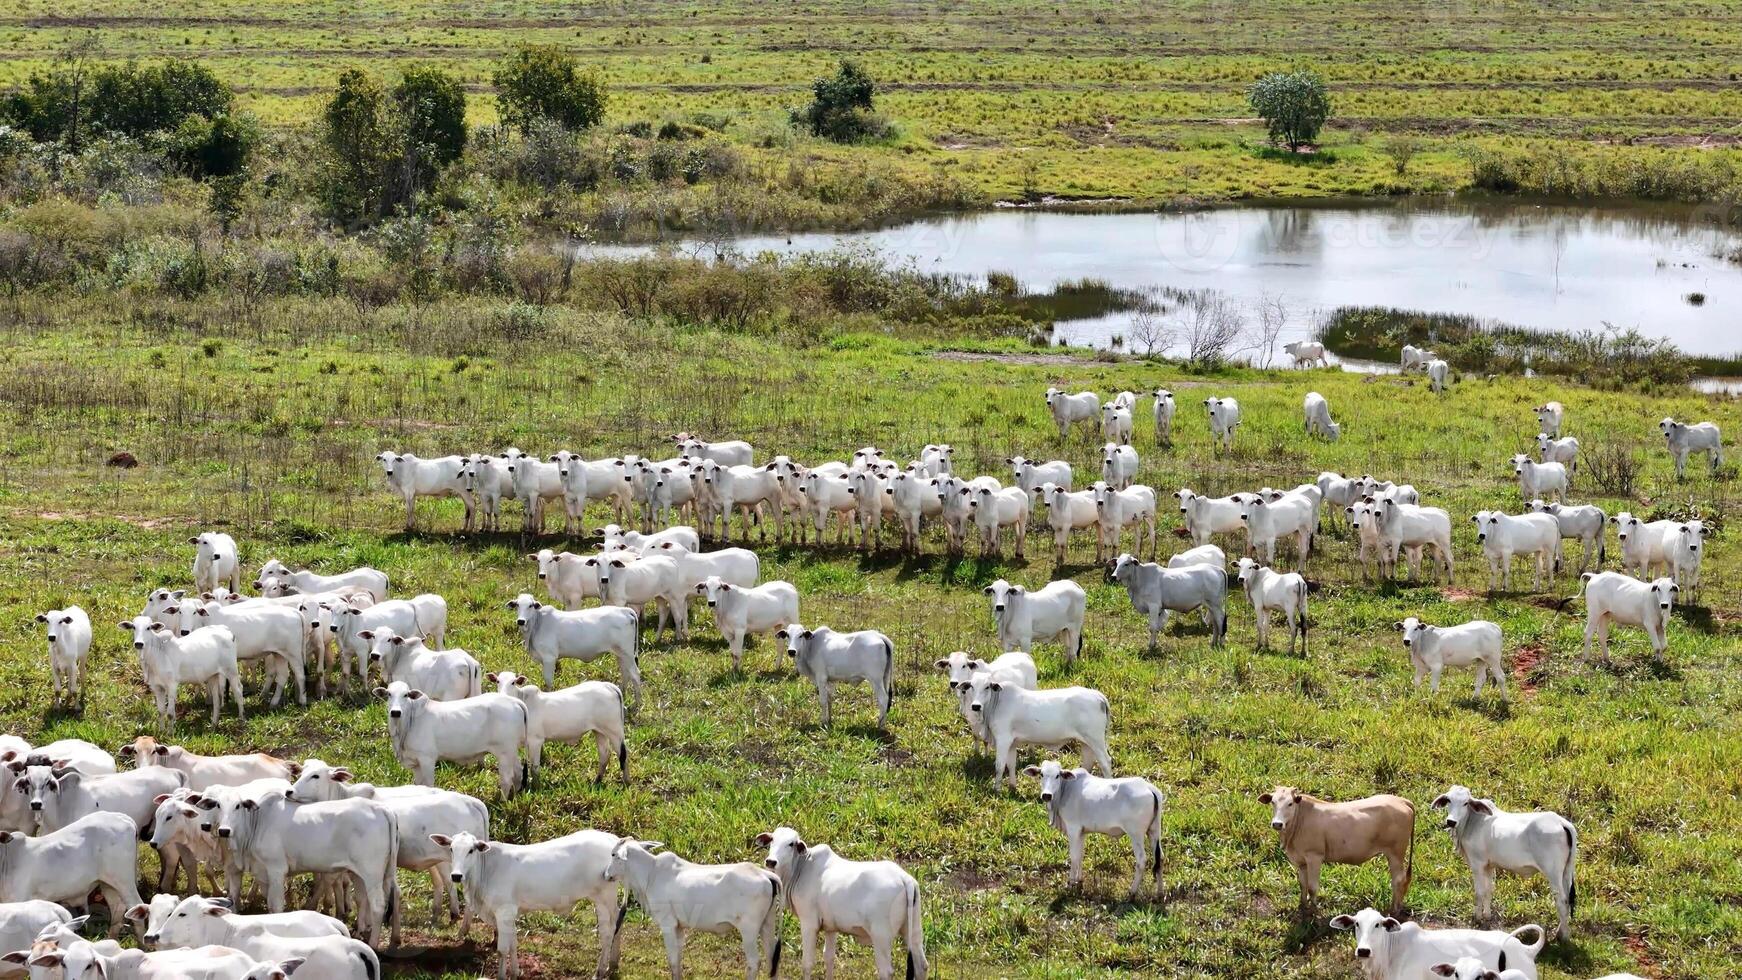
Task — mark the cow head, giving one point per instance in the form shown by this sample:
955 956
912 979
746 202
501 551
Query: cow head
465 852
1284 803
1052 778
785 848
1461 806
1372 930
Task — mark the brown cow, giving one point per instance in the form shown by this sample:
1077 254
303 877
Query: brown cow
1316 832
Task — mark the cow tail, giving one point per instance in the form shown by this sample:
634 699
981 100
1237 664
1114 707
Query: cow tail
1155 842
525 737
474 680
1082 635
1568 874
888 674
915 930
623 736
1301 609
1541 938
390 878
771 925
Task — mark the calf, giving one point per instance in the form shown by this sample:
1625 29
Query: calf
739 566
740 612
914 497
1116 422
1552 450
21 922
424 732
368 580
69 641
1370 486
1476 643
1612 597
424 615
1067 512
149 920
1015 716
1392 950
1157 591
201 922
178 833
1437 372
66 753
1284 591
202 771
273 633
1266 520
1163 412
1583 523
1054 613
1685 549
418 811
567 577
1318 417
502 880
746 489
1549 417
216 561
934 460
682 897
992 511
59 797
827 658
1491 839
1307 353
206 656
1336 490
732 453
1207 554
569 715
1224 418
444 675
1205 516
825 494
411 477
961 667
1504 537
1031 476
617 539
99 852
635 582
1079 803
486 481
873 901
1644 546
550 635
1539 479
83 959
1084 406
954 496
662 486
535 482
1399 526
1683 440
1317 832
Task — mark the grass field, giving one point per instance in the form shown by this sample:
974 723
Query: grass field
268 433
1126 100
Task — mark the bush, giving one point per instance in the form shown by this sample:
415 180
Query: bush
205 148
544 82
432 108
135 100
842 107
1294 105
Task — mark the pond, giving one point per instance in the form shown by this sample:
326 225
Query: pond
1660 269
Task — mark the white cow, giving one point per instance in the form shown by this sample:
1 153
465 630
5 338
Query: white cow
1432 649
1116 423
1392 950
1504 537
740 612
486 481
411 477
1415 357
328 957
827 658
202 771
66 753
550 635
1584 523
746 489
873 901
1031 475
20 922
1053 613
1205 516
567 577
1612 597
365 579
1015 716
69 640
1224 418
1552 450
1644 545
1540 479
635 582
444 675
216 561
58 797
617 539
732 453
1267 589
1437 372
206 656
1084 406
273 633
179 835
1118 465
1270 517
425 731
992 511
1491 839
662 486
915 497
1067 512
825 494
1206 554
1307 353
962 667
534 483
1549 418
502 880
1117 509
1371 486
82 959
569 715
1336 490
98 852
954 495
1318 417
1683 439
1163 412
584 481
424 615
1401 526
739 566
684 897
1078 803
419 811
1685 550
934 460
1155 592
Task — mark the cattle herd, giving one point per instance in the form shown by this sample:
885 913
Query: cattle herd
70 822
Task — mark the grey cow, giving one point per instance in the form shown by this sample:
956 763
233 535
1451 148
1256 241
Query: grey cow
1157 591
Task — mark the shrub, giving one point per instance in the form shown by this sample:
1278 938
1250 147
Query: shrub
544 82
134 100
1294 105
204 147
431 107
842 107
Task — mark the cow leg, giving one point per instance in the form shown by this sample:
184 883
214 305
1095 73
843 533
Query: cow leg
1481 677
1483 880
507 946
1434 672
830 937
673 936
1310 881
807 937
1398 864
825 692
1075 837
1140 857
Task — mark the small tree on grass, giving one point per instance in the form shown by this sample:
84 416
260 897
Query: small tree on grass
545 82
842 107
1293 104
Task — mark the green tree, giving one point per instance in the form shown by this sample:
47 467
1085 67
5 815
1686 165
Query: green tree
359 141
842 107
1293 104
54 106
205 148
544 82
432 107
134 100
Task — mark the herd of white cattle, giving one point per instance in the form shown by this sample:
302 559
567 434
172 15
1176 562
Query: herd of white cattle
70 824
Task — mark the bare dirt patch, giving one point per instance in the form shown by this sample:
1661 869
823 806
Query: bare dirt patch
1461 595
1029 359
1524 664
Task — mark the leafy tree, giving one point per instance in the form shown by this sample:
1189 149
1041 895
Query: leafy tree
205 148
842 107
359 141
134 100
544 82
1293 104
432 107
54 106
